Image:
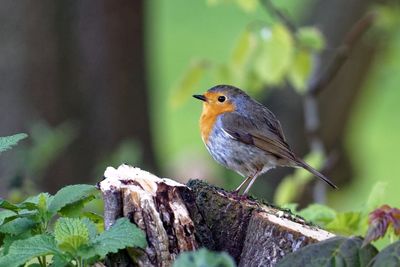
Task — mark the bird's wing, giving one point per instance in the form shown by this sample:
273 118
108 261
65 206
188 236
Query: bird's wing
262 131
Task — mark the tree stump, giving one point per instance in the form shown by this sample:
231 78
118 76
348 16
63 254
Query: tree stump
177 218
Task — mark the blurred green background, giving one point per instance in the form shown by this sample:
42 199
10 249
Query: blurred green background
99 86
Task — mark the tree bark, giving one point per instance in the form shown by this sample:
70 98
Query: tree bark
179 218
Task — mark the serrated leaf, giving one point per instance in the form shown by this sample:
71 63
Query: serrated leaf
22 251
9 239
318 214
4 204
300 70
71 194
17 226
121 235
5 214
61 260
91 227
70 234
275 54
380 220
336 251
389 256
39 202
311 37
96 219
204 257
7 142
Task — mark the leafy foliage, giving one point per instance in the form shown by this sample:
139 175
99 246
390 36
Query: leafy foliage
7 142
22 251
25 230
389 256
262 56
204 257
336 251
379 222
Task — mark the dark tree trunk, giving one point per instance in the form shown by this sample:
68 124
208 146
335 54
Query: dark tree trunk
82 62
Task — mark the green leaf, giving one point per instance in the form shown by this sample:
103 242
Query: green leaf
121 235
17 226
71 234
71 194
243 49
389 256
5 214
346 223
189 82
275 54
22 251
204 257
91 227
336 251
311 37
300 70
7 142
248 5
9 239
75 209
4 204
318 214
376 196
96 219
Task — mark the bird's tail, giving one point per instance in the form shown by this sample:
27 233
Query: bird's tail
303 164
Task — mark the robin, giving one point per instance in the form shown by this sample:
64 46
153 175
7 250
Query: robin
243 135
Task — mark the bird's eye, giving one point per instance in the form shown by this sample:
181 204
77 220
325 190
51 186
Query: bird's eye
221 98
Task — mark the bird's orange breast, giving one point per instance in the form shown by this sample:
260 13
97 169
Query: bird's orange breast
209 116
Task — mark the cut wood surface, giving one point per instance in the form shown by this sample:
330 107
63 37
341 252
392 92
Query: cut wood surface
177 218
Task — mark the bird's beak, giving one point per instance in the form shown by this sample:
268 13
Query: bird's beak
201 97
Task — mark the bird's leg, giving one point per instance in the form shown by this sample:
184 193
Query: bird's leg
253 179
241 185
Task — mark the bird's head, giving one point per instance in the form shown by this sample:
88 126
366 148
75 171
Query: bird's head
221 98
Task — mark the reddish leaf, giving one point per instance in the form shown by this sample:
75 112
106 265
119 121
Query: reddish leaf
379 220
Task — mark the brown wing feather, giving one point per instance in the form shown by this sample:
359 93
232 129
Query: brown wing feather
266 136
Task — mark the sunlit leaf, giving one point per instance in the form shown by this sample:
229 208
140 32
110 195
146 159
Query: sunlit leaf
311 37
318 214
248 5
245 5
243 49
189 82
300 70
71 234
376 196
346 223
275 54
